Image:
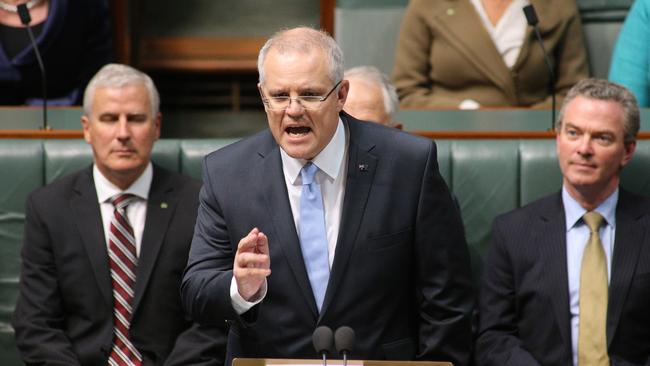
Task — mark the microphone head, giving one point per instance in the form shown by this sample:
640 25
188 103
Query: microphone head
344 339
531 15
323 339
23 13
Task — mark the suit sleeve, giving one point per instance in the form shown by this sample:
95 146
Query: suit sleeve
444 281
199 346
412 66
39 315
497 341
205 290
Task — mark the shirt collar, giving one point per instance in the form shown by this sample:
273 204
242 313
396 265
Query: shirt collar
329 160
573 211
107 190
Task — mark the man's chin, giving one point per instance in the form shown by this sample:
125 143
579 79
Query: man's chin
127 166
298 151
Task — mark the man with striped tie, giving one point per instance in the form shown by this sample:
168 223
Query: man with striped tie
105 247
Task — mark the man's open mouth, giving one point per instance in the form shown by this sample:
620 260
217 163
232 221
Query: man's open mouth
298 131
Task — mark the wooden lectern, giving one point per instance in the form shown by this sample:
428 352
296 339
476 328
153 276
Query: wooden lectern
332 362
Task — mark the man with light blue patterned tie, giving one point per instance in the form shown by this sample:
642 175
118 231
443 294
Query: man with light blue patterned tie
326 220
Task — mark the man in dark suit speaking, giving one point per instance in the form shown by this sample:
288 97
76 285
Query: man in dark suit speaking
567 278
326 220
105 247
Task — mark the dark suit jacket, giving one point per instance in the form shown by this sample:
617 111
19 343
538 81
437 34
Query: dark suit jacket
64 313
400 277
524 301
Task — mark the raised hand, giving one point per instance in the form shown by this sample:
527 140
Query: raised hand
252 263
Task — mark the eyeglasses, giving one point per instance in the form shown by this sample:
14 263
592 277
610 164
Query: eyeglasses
306 101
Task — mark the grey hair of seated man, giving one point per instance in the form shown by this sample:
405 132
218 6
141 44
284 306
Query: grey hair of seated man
372 77
118 76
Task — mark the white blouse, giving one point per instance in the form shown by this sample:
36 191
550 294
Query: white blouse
508 34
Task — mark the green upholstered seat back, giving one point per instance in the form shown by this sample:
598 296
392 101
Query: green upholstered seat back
63 157
21 167
193 151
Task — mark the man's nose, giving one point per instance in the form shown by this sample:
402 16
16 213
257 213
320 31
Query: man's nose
585 145
123 131
295 108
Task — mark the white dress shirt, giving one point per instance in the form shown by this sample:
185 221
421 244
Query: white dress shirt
509 32
577 236
136 212
331 162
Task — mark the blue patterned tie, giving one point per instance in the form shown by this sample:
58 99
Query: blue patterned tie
313 237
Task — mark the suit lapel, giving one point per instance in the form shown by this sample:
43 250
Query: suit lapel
279 210
551 241
630 237
360 173
161 204
87 217
460 22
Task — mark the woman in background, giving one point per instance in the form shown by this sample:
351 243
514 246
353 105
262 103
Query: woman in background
73 37
631 61
474 53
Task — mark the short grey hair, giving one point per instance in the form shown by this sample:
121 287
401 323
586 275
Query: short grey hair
119 76
304 39
372 75
605 90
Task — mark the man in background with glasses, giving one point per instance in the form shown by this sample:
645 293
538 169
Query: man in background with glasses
326 220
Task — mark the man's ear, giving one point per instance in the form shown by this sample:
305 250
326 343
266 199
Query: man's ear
85 126
630 147
342 94
158 122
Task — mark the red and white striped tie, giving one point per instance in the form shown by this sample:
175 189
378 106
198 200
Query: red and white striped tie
123 260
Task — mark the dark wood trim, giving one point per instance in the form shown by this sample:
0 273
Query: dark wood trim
191 54
200 54
41 134
486 134
327 8
120 30
498 135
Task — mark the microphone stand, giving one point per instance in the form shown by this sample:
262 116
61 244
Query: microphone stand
551 82
531 18
25 18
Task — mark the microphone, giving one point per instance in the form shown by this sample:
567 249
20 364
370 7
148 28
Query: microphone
25 18
323 338
531 18
344 340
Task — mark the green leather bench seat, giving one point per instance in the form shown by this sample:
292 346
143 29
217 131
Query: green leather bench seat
21 172
489 177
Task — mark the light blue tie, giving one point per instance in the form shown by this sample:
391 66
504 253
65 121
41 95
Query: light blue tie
313 237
